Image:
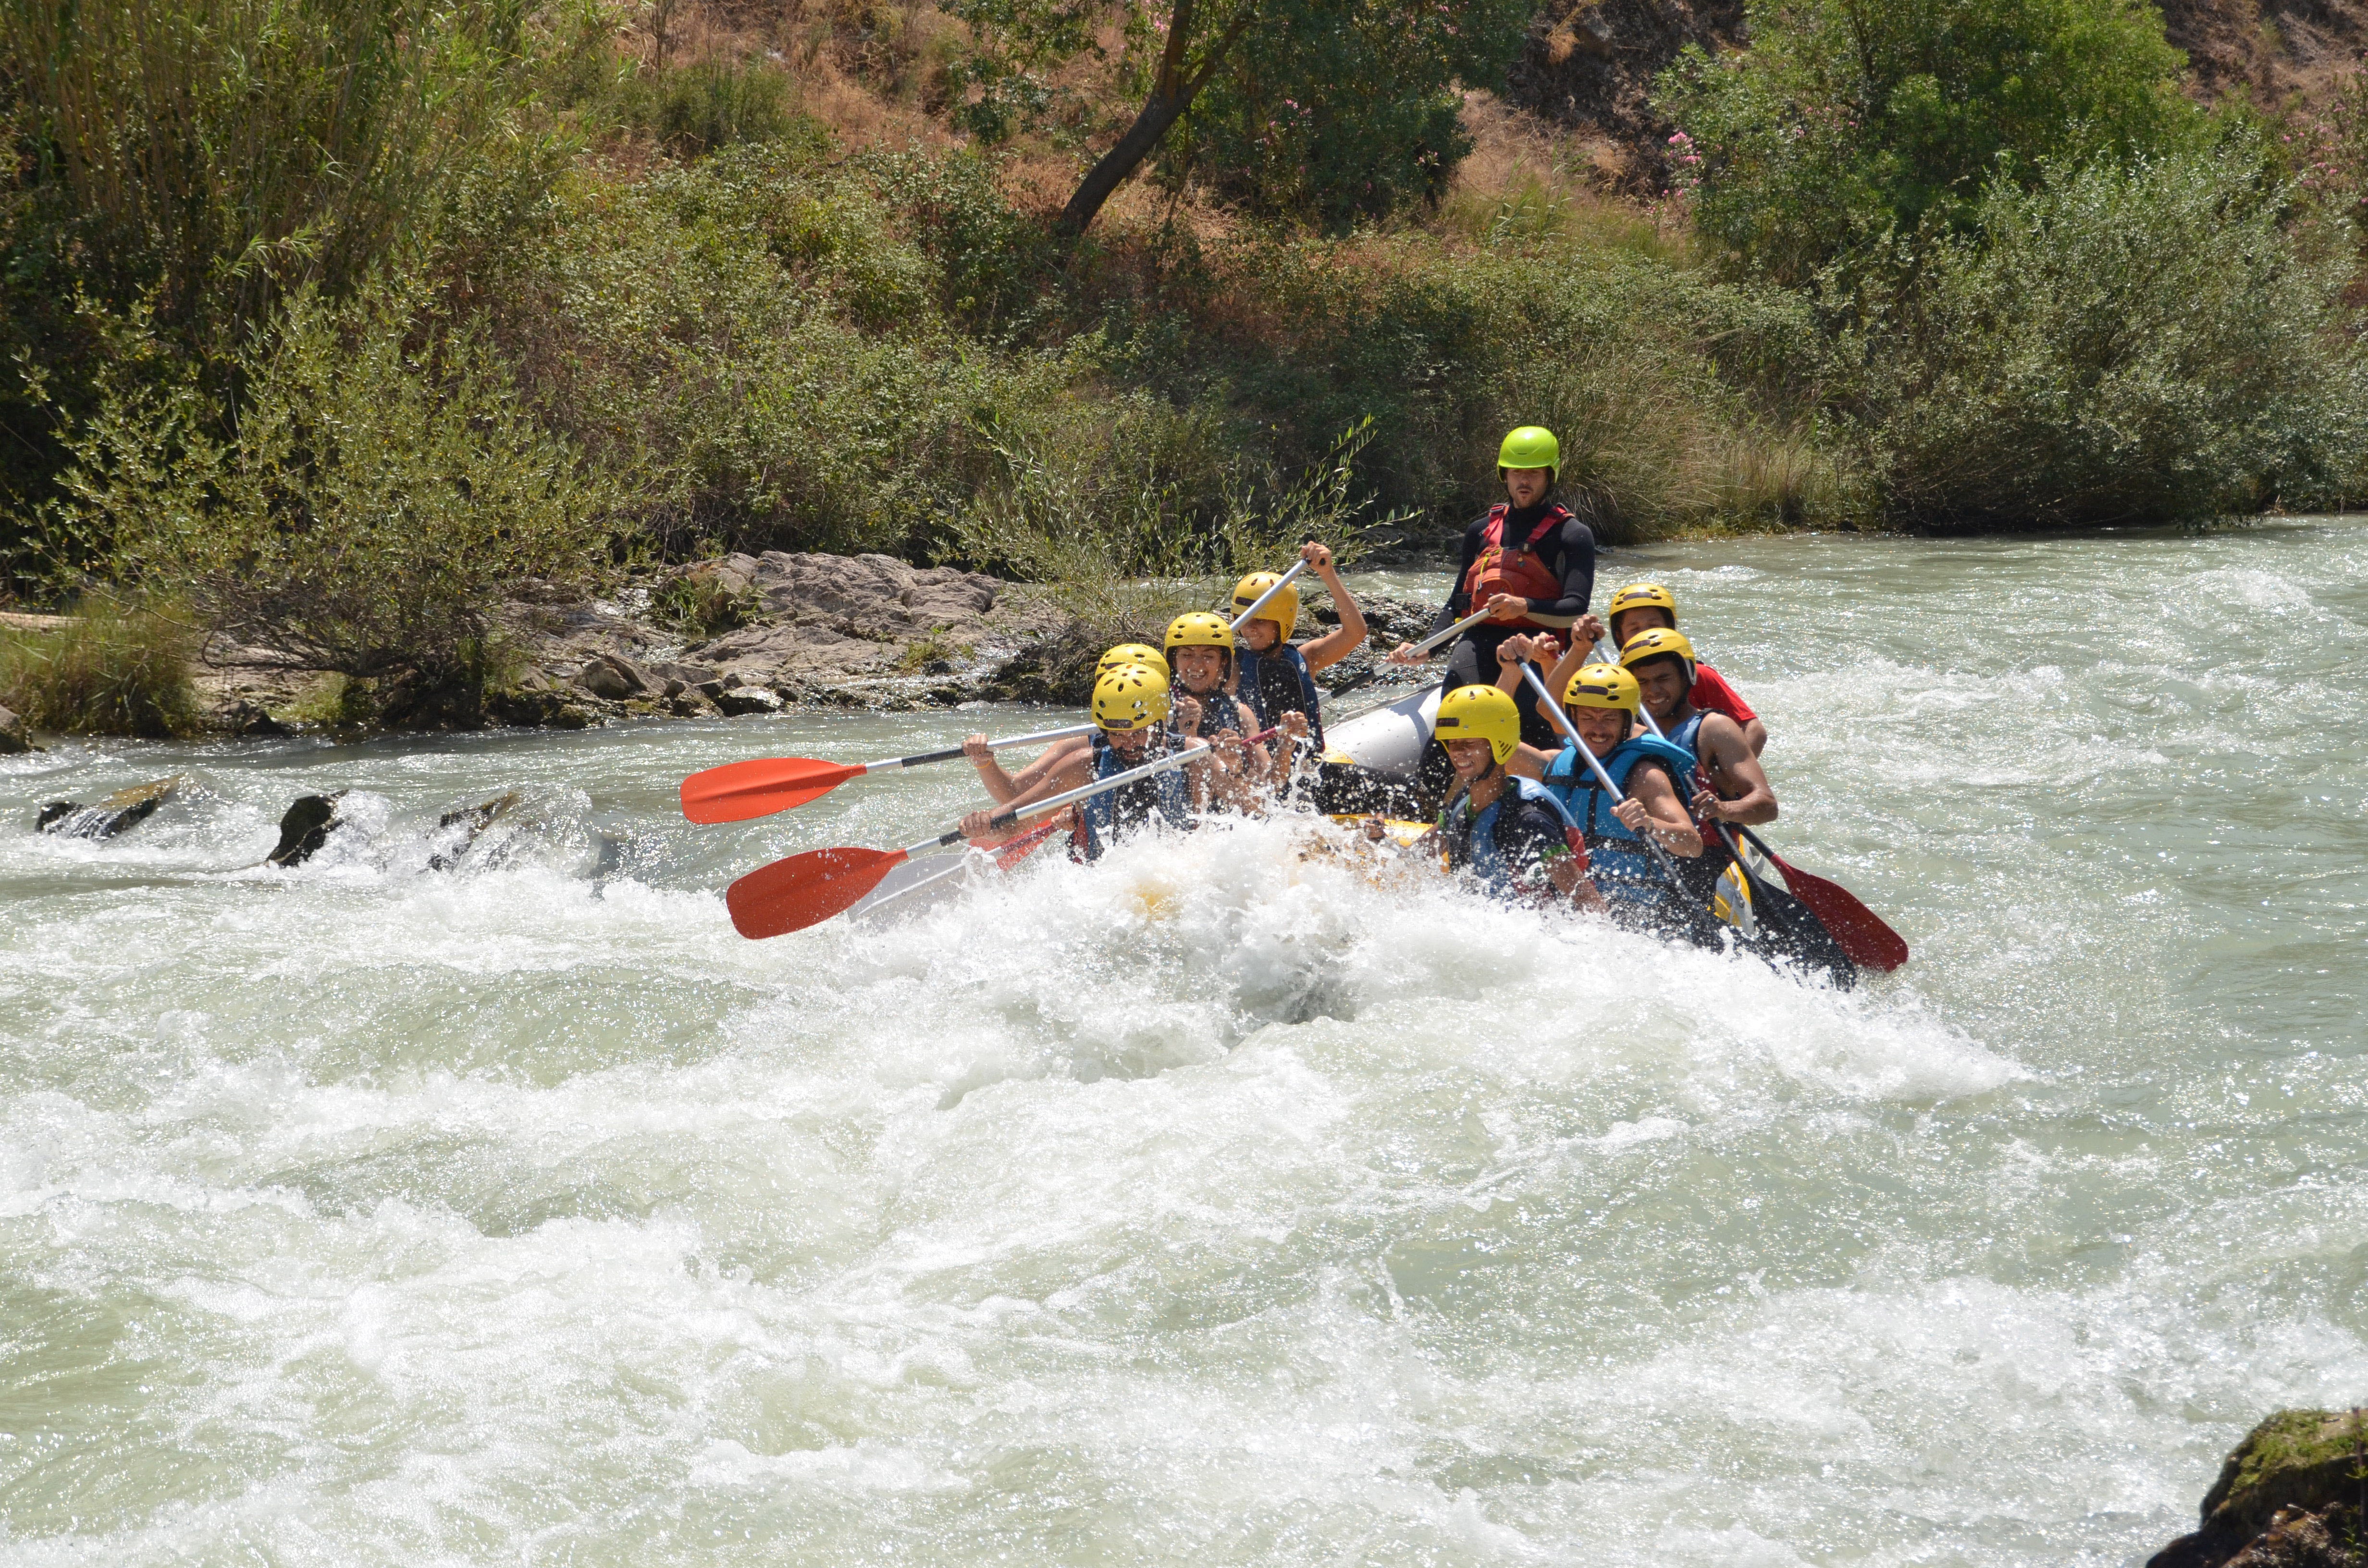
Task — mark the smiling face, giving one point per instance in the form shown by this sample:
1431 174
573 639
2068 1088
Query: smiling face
1629 622
1600 728
1260 634
1471 759
1663 684
1201 668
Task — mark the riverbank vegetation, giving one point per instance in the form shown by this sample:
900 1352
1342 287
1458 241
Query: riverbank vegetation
339 319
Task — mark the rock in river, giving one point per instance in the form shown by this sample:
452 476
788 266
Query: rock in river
14 736
305 828
2292 1495
124 808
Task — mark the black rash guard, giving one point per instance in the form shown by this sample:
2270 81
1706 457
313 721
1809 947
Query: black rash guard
1569 554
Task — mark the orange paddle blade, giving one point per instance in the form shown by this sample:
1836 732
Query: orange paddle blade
805 889
738 790
1859 930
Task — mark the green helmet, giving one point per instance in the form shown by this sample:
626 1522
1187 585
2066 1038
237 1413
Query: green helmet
1531 446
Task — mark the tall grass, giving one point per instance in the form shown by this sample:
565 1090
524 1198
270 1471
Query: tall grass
112 669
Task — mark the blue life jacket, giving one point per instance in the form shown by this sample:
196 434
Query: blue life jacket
1276 682
1623 868
1476 847
1115 812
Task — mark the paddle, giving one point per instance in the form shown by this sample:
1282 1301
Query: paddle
739 790
1259 603
1007 853
1416 650
1570 732
1858 930
806 890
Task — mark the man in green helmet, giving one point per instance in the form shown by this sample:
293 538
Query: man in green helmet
1529 561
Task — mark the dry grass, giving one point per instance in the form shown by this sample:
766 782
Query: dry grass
110 670
1525 181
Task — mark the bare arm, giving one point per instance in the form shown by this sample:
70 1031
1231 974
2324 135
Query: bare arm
1074 771
1739 791
1653 807
1755 736
1323 653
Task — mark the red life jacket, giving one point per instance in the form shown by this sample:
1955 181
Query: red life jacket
1500 568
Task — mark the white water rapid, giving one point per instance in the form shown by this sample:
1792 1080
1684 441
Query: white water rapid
1207 1207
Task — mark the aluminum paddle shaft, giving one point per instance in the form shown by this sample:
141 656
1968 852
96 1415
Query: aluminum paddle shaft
1259 603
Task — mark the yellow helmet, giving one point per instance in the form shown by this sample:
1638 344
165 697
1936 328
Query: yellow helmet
1640 595
1660 643
1282 609
1131 696
1529 446
1480 713
1603 686
1131 653
1201 630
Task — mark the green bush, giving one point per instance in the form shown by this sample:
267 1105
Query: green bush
112 670
1849 117
195 159
381 490
2118 345
695 109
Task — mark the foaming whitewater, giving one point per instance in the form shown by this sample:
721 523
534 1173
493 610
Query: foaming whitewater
479 1197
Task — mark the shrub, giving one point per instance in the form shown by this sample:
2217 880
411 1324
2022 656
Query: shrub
112 670
1099 521
698 108
1846 117
2121 344
381 489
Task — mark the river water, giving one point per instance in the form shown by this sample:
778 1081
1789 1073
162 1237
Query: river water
1206 1207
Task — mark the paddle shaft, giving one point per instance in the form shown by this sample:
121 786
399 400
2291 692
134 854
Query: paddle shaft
1259 603
920 758
1010 815
1595 765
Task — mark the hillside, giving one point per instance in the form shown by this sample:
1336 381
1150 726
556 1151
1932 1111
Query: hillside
1588 69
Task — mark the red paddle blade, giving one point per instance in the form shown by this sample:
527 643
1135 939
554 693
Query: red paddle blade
1861 931
1010 852
738 790
805 889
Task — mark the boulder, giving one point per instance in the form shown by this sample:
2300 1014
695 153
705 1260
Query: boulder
124 808
250 720
306 828
832 619
2290 1496
14 736
615 678
742 701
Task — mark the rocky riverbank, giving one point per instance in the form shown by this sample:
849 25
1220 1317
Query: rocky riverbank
743 634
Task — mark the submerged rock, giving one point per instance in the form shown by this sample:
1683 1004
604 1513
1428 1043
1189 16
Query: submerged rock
306 828
123 810
473 821
14 736
2292 1495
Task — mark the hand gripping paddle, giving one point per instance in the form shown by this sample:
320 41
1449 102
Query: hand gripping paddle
806 890
739 790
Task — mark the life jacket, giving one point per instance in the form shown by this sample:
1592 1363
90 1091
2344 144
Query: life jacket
1114 813
1514 568
1702 872
1277 682
1475 846
1623 868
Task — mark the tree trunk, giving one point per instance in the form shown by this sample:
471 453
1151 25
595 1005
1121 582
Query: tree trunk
1172 93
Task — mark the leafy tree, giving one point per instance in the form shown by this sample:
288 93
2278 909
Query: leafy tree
1329 106
1846 117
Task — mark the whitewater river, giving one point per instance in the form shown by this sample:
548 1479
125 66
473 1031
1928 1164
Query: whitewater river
1207 1207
